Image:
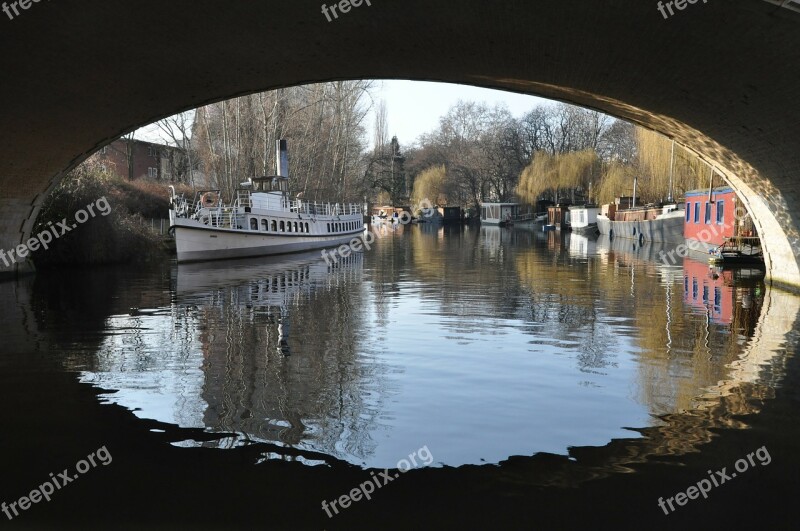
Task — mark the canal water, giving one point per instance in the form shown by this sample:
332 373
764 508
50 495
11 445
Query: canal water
521 365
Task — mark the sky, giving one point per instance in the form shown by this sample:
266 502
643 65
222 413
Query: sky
414 107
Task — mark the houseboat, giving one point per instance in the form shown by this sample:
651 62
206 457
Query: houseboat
583 219
262 219
712 229
653 223
448 215
506 214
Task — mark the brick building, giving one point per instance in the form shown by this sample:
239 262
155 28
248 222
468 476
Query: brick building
137 159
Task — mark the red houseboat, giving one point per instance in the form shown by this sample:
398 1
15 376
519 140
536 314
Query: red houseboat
711 227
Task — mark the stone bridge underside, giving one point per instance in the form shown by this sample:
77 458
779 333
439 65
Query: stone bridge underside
722 77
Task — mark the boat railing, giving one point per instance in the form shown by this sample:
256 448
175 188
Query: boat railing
243 199
222 218
323 209
219 215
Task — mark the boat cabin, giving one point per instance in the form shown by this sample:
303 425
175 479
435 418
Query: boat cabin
450 214
583 217
558 216
272 183
499 213
710 216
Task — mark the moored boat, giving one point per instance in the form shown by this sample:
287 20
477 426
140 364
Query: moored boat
651 223
261 220
583 218
716 232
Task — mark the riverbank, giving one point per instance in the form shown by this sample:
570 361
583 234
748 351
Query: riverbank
122 233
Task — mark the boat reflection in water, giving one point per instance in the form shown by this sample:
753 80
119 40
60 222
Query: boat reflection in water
226 361
482 343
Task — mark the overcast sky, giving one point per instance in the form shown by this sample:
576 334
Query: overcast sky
415 107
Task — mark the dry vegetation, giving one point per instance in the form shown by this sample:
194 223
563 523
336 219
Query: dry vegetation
123 236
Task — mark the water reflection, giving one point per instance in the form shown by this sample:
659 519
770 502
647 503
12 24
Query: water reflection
479 342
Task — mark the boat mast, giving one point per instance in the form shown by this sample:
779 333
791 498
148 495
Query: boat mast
671 170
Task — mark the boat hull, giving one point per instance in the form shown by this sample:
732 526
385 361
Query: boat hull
196 244
669 230
585 229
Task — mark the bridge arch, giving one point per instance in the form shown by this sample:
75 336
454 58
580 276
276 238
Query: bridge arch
719 77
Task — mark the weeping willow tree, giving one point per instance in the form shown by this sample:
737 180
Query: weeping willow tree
617 181
568 172
656 161
430 186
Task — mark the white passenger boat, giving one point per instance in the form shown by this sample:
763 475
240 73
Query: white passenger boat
261 220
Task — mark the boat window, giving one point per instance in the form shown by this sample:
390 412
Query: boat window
697 212
274 226
295 226
288 226
329 227
283 227
720 212
253 224
688 212
707 217
302 228
265 225
307 231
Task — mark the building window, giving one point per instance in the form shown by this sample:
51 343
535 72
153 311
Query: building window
274 226
265 225
152 152
329 227
152 173
307 231
697 212
688 212
283 227
253 224
288 226
707 217
295 226
694 288
720 212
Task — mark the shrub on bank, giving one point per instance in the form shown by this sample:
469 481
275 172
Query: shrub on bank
119 234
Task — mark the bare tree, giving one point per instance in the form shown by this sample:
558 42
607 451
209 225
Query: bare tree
177 130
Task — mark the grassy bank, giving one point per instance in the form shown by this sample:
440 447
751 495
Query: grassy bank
107 220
